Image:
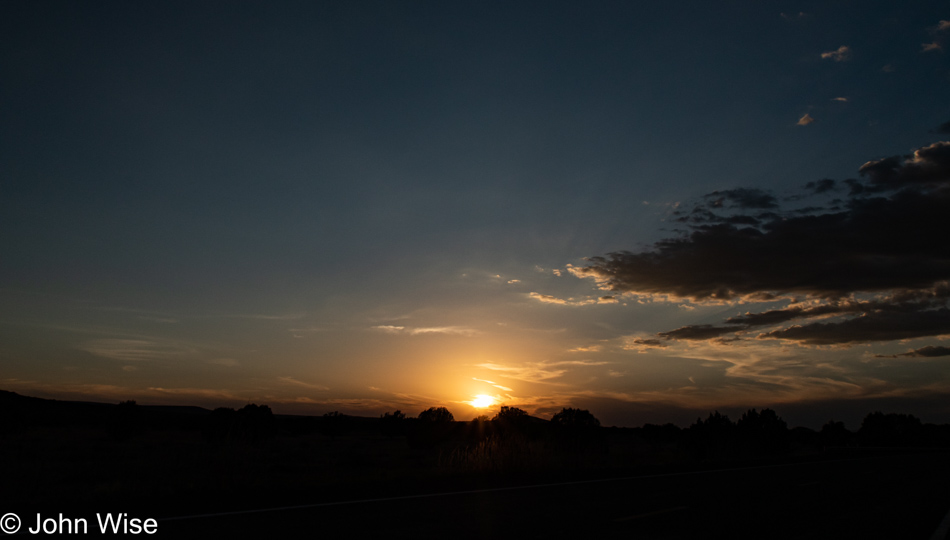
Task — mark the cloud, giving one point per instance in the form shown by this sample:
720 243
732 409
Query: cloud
842 54
943 128
493 383
928 166
266 316
821 186
644 344
943 25
538 371
548 299
887 68
590 348
742 198
453 330
923 352
577 363
389 329
841 99
136 350
874 269
697 332
805 120
309 386
932 46
869 327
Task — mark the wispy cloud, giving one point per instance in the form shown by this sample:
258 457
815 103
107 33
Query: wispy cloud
539 371
136 350
266 316
417 331
841 54
589 348
549 299
309 386
226 362
493 383
932 46
805 120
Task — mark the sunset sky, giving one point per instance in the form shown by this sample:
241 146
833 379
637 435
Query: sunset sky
648 210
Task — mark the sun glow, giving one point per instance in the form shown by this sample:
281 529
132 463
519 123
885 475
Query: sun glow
482 401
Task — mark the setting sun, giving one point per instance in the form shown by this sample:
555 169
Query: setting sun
482 401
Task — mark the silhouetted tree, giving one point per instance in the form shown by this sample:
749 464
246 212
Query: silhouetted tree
713 437
763 433
879 429
433 426
575 419
393 424
256 423
436 415
577 430
511 420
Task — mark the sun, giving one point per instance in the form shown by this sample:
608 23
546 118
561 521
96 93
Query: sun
482 401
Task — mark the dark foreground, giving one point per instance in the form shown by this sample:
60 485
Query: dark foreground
183 473
892 496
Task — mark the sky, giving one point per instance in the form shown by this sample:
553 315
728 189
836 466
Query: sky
648 210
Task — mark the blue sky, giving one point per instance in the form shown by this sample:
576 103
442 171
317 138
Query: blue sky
378 205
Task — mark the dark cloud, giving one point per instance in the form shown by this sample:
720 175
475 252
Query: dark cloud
927 166
869 327
821 186
648 342
942 128
929 351
742 198
809 210
741 220
697 332
856 187
885 245
700 217
779 316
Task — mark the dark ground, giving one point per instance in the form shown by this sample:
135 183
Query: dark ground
83 459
